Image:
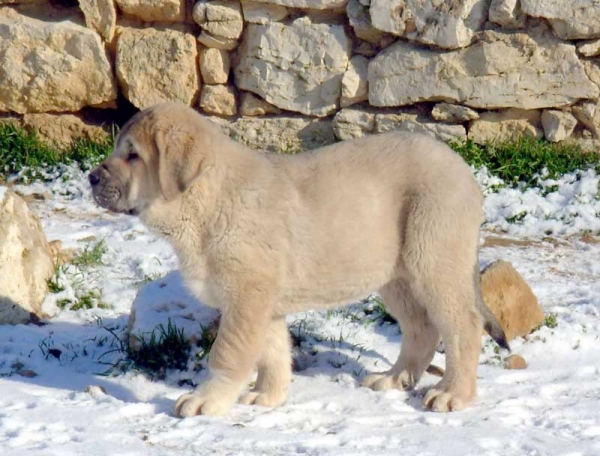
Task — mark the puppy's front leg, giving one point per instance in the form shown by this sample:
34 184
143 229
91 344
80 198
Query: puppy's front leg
240 339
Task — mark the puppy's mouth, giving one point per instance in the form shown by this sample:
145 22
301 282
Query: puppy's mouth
109 198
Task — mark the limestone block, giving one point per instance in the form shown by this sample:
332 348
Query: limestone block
219 100
154 10
297 67
51 66
558 125
100 15
445 24
500 70
25 261
570 20
154 66
446 112
251 105
509 124
214 65
354 82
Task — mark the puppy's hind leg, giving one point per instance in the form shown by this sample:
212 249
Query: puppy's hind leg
419 339
274 368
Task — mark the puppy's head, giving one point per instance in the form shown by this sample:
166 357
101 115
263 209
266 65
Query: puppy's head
158 154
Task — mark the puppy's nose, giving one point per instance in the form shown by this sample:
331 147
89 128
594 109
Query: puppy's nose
94 177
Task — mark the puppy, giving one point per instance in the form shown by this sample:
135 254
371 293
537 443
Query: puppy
261 235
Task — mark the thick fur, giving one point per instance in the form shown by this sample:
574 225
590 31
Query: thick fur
260 236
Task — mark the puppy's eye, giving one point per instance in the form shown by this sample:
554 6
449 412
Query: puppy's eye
132 156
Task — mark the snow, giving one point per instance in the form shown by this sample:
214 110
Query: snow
2 192
52 399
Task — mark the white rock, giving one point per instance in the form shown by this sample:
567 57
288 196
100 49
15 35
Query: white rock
509 124
558 125
500 70
154 10
446 112
589 48
214 65
219 100
355 87
297 67
508 14
360 21
353 123
51 66
262 13
411 123
25 261
154 66
448 25
280 134
588 113
251 105
570 20
100 15
221 22
312 4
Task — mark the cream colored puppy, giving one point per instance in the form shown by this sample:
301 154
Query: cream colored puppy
260 235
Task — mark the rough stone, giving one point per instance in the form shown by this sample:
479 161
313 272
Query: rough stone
251 105
353 123
263 13
51 66
221 22
63 129
25 261
446 112
508 14
411 123
558 125
297 67
360 21
312 4
505 125
154 10
214 65
510 298
100 15
154 66
515 362
218 100
500 70
279 134
589 48
588 113
572 20
445 24
354 82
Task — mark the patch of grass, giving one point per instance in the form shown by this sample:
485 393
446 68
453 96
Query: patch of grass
54 283
377 311
551 320
525 159
85 299
25 153
91 255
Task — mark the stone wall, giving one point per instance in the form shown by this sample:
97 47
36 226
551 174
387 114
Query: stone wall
289 74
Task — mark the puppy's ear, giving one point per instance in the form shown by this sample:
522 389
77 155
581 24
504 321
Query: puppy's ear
179 161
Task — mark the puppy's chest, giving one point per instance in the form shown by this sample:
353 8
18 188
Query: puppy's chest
197 277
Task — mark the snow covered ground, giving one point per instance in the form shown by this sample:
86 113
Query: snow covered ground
54 402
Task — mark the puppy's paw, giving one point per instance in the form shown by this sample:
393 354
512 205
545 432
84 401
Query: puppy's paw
439 400
388 380
263 398
192 404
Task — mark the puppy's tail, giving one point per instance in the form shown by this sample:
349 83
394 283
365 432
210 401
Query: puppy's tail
490 322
